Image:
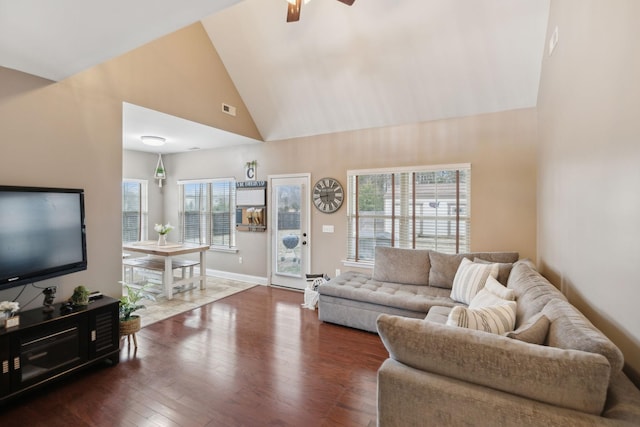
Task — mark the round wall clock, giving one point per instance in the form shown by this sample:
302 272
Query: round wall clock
328 195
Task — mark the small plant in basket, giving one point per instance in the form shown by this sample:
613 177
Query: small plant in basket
131 301
130 323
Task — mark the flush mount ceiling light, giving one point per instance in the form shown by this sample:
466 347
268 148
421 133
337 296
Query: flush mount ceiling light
155 141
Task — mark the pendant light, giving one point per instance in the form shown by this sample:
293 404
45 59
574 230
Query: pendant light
160 173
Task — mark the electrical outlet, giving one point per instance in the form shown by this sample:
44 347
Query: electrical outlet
337 272
239 260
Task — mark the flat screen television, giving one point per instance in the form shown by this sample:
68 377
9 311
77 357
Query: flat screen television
42 234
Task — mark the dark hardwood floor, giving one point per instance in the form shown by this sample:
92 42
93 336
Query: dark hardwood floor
252 359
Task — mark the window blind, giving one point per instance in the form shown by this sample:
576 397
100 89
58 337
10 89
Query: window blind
207 212
134 210
420 208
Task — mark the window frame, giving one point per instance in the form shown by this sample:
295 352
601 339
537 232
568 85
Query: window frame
143 211
400 224
207 231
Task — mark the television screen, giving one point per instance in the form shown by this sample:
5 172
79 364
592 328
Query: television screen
42 234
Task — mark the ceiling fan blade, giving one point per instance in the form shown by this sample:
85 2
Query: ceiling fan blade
293 11
347 2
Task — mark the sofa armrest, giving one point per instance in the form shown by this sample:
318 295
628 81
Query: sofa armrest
623 399
566 378
409 397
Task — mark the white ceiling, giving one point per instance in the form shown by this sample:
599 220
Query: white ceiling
181 135
56 39
379 62
376 63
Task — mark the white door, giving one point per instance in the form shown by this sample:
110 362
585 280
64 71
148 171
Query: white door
289 218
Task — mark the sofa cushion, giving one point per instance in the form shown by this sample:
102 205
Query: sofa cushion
358 286
470 278
532 290
493 293
438 314
444 266
408 266
504 269
563 378
534 331
570 329
496 319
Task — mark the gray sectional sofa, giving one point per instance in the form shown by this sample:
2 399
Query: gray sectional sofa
405 282
554 369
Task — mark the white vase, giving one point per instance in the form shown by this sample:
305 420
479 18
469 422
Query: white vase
162 240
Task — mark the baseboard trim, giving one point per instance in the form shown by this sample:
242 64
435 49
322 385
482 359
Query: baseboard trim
236 276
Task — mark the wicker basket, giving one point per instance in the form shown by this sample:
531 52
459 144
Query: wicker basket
130 326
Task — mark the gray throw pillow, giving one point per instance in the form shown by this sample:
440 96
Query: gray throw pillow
533 331
504 269
443 269
407 266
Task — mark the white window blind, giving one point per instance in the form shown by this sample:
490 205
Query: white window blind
420 208
134 210
207 212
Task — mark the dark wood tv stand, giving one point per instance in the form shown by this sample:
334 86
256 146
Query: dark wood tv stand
50 346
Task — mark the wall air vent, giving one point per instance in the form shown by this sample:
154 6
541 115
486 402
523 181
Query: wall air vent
229 109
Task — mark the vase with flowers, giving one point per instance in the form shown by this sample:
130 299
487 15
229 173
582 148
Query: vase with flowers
163 230
8 310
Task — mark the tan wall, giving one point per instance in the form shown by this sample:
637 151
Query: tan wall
501 148
56 135
588 194
180 74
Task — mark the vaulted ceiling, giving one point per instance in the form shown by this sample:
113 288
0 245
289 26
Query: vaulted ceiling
377 63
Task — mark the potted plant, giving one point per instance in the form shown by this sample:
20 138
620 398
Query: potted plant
129 303
80 296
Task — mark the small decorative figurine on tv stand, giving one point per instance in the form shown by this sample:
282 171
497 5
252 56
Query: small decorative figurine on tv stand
49 296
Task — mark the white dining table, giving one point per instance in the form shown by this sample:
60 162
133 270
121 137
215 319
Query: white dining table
169 251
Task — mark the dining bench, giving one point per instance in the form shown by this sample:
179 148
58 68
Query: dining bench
156 265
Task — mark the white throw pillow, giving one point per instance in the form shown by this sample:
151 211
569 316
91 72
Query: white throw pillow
493 293
470 278
497 319
497 288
